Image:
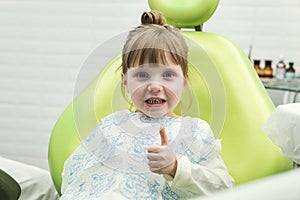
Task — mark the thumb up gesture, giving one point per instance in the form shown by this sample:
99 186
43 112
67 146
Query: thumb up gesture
162 159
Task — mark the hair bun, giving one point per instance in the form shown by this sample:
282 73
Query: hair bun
153 17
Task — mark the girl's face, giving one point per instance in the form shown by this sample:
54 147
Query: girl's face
155 89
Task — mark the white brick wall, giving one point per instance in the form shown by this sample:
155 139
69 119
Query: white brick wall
43 43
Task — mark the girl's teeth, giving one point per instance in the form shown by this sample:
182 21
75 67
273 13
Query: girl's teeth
154 101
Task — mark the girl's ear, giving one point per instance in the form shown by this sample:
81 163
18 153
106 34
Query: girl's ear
124 81
185 83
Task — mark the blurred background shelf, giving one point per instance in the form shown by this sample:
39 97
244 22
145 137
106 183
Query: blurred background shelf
289 87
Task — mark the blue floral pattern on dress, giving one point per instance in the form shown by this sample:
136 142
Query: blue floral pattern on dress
112 159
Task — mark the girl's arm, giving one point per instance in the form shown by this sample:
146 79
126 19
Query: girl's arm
200 168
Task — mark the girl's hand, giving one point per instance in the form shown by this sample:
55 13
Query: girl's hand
162 159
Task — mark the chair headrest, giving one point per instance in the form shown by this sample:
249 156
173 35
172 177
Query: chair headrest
185 13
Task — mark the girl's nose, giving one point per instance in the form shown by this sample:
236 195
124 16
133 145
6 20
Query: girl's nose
155 88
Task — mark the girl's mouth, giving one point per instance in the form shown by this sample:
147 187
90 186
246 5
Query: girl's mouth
155 101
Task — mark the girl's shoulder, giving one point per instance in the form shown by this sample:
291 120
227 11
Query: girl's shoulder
120 113
115 117
195 121
198 127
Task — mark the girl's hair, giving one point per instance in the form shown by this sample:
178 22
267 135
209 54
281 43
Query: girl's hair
153 42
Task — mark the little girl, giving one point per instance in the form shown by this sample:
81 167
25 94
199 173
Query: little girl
150 152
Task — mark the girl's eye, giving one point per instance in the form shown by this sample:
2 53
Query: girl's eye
142 75
169 74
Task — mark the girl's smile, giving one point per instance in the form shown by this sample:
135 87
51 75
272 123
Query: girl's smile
155 101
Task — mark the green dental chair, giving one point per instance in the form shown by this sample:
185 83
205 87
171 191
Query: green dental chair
227 90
